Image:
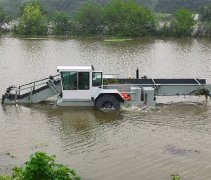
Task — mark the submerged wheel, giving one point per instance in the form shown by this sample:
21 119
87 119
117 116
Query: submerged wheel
3 99
107 102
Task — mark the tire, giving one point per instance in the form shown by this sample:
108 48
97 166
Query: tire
3 99
107 102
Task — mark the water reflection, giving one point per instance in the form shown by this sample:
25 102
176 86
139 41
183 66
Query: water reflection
81 121
77 120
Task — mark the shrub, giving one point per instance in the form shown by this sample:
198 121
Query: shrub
175 177
5 178
43 167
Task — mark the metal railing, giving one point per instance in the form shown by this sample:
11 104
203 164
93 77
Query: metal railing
29 87
111 76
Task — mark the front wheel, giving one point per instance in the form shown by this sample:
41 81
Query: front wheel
107 102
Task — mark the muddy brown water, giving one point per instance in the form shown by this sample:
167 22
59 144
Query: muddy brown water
134 143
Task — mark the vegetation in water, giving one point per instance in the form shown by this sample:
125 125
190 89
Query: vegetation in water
175 177
202 92
41 166
117 39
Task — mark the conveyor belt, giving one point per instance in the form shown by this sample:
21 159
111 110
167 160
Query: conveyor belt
33 92
162 81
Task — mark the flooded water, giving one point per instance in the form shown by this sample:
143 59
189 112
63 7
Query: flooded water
133 143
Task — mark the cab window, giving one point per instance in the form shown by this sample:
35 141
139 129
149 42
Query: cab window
69 80
96 79
83 80
75 80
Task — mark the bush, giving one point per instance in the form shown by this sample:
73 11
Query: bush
5 178
175 177
42 167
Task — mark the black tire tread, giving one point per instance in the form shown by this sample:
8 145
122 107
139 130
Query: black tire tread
111 98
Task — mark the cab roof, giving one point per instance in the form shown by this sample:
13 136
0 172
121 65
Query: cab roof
74 68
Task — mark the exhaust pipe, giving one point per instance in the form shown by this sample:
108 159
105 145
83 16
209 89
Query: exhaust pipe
137 73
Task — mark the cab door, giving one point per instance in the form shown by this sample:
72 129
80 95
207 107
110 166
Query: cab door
97 82
76 86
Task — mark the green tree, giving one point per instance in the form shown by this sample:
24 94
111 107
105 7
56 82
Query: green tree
32 3
182 23
61 23
33 21
127 18
205 14
90 19
3 17
205 18
171 6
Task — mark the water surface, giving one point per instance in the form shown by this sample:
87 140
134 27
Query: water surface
133 143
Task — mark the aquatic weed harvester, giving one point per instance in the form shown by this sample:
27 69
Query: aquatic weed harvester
84 86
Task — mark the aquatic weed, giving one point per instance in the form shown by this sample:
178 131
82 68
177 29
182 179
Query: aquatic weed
175 177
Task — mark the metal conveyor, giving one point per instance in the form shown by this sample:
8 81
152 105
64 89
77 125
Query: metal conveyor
33 92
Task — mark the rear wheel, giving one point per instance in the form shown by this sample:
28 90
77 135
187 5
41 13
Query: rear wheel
107 102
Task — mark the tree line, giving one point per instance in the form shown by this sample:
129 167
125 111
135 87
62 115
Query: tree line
119 18
171 6
12 7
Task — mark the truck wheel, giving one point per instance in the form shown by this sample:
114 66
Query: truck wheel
107 102
3 99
